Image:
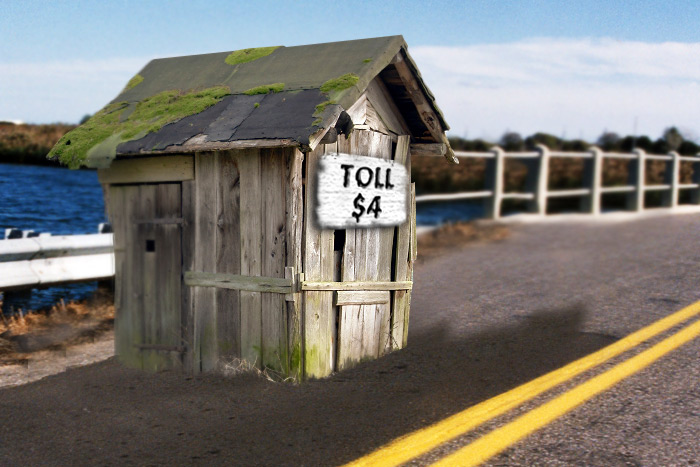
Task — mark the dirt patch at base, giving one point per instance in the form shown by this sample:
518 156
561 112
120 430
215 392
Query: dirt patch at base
446 238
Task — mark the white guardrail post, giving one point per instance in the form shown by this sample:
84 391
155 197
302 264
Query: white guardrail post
541 185
593 180
494 183
637 178
695 192
672 177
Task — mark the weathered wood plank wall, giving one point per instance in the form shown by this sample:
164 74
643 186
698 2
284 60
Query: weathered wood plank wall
204 348
364 331
228 256
294 198
148 319
163 331
402 260
274 309
319 313
249 163
187 314
240 229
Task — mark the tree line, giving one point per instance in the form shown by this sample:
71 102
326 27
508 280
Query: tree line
672 139
29 144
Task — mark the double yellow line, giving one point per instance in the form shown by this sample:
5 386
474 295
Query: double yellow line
420 442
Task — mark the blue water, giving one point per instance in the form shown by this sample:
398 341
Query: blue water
55 200
444 212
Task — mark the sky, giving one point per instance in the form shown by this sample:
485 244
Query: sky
570 68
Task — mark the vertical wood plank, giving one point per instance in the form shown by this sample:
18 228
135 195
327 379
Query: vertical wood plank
119 217
385 249
228 259
274 323
403 232
295 216
205 345
330 267
413 256
130 326
351 318
365 330
318 327
251 254
168 251
188 249
349 324
145 277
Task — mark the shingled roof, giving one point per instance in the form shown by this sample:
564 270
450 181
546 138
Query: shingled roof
283 95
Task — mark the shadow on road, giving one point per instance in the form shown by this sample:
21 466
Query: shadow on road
108 414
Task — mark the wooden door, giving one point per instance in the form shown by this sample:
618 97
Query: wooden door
147 220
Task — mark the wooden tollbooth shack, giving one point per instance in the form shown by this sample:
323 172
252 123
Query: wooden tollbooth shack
210 170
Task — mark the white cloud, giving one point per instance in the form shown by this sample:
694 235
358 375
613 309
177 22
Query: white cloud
62 91
574 87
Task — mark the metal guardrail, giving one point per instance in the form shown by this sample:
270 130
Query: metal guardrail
29 260
537 193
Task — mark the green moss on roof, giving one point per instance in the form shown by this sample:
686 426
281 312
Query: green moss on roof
366 60
248 55
133 82
149 115
322 106
340 83
265 89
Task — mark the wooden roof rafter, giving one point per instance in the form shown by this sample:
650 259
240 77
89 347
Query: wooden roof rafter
426 110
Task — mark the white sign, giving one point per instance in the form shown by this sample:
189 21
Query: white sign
359 191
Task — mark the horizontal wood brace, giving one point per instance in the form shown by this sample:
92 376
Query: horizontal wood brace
237 282
361 297
357 285
429 149
148 170
165 348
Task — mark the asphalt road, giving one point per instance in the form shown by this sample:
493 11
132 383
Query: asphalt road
485 318
614 279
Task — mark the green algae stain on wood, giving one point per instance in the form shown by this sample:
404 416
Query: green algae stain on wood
249 55
148 116
265 89
295 363
133 82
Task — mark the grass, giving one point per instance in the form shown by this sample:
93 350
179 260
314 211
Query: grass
249 55
133 82
238 366
340 83
149 115
57 328
322 106
265 89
